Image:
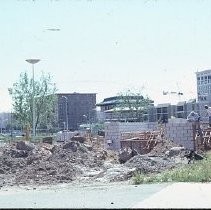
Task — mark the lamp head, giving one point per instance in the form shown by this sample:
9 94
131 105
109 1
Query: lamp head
32 61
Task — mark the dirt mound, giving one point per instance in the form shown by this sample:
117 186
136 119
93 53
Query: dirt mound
24 163
45 164
146 164
163 145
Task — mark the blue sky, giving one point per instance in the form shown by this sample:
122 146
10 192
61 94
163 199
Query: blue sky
107 46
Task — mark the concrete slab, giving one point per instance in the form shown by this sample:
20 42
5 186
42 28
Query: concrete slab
179 195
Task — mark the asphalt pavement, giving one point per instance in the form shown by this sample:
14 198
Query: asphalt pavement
109 196
180 195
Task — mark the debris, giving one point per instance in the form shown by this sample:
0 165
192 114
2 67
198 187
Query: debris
48 140
125 154
22 145
46 164
76 159
80 139
192 155
71 145
146 164
174 151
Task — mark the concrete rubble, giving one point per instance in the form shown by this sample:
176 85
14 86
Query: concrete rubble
24 163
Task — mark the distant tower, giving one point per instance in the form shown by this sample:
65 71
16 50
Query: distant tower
204 86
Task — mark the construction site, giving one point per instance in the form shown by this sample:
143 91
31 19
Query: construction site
92 158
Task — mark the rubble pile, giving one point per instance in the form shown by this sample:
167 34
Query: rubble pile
163 145
25 163
146 164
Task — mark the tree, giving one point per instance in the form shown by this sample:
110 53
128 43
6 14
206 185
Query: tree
45 98
133 106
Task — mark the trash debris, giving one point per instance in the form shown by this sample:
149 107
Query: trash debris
79 159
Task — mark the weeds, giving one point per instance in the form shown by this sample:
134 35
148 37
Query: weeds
199 171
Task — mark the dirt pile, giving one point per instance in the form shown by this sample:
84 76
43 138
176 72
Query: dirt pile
163 145
23 163
146 164
45 163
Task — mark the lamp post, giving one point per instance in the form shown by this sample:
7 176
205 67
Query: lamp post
66 111
85 116
88 130
33 61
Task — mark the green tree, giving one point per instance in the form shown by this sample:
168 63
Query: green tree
45 98
133 106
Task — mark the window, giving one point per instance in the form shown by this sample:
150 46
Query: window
180 108
165 110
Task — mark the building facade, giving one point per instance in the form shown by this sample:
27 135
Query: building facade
74 109
204 86
165 111
124 108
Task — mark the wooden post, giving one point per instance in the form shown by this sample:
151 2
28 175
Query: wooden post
194 135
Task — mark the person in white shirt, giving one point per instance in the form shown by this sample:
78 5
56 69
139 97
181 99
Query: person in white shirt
194 117
208 108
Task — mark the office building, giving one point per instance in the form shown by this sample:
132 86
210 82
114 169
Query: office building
75 109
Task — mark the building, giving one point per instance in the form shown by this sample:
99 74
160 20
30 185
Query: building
204 86
74 109
203 79
124 108
5 120
165 111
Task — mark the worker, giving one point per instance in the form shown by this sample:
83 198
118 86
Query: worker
194 117
208 108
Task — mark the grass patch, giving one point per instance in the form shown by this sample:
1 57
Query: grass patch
200 171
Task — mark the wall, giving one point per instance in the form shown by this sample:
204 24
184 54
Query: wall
178 130
113 131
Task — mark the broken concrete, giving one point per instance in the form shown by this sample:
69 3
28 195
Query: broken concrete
23 163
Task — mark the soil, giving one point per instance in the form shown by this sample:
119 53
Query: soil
163 145
23 163
46 164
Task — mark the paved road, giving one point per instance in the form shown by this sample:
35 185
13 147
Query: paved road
180 195
119 195
68 196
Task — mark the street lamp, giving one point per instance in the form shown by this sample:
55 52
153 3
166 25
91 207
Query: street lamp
85 116
33 61
66 111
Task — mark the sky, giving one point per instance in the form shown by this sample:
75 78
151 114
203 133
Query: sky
107 46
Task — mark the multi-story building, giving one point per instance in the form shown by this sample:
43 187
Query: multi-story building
204 86
78 108
203 79
117 108
74 109
162 112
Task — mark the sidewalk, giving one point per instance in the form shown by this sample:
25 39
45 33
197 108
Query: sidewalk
180 195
